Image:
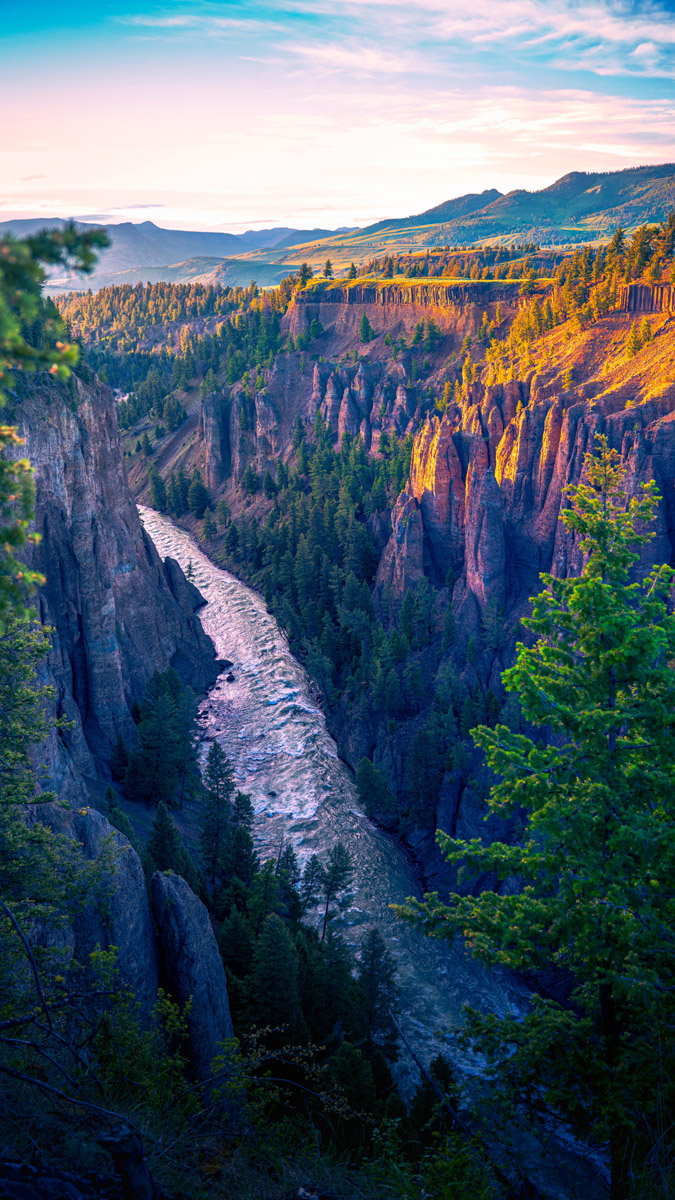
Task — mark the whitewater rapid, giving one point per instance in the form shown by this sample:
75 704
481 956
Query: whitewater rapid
275 735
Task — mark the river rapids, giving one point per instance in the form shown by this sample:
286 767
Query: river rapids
273 731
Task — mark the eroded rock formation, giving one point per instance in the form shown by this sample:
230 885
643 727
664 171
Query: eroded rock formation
117 612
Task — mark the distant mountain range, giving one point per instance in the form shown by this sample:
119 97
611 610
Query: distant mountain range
579 207
146 252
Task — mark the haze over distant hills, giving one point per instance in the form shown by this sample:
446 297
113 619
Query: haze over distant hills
579 207
147 252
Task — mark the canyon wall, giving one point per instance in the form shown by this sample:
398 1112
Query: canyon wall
116 611
395 308
480 514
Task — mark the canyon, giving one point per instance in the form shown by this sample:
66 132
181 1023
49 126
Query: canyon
477 521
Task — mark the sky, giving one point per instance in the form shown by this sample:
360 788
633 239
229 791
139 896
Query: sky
320 113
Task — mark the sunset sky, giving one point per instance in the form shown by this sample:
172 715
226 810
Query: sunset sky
320 112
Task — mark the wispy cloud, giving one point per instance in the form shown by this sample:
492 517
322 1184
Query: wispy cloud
602 36
362 58
208 23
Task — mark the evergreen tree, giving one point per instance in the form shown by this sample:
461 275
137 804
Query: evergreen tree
198 498
164 767
352 271
165 844
242 811
269 486
272 986
372 787
146 445
366 331
597 856
310 884
250 480
158 497
646 334
328 269
633 342
235 939
209 529
119 759
182 490
216 814
336 877
239 860
378 994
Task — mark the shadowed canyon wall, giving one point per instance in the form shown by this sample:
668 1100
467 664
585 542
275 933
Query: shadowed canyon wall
117 612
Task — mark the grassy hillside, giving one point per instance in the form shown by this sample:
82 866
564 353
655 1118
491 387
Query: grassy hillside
577 208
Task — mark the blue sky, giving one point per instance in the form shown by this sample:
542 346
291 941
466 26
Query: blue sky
321 112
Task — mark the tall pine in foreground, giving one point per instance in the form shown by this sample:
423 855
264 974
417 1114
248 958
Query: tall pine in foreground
596 860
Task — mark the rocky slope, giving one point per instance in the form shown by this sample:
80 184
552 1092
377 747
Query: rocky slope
117 612
255 424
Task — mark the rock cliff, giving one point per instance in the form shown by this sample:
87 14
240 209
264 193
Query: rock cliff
488 478
117 612
171 943
192 967
480 514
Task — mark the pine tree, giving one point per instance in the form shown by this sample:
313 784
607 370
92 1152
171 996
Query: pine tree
216 814
378 993
310 884
372 788
633 342
366 332
209 529
597 856
198 498
242 811
235 939
182 490
146 445
119 759
269 486
239 859
250 480
158 497
352 271
328 269
336 877
646 333
165 844
272 986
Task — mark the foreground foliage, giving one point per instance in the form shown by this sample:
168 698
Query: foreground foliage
594 910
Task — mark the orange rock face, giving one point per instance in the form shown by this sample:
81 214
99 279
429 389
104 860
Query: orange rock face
487 480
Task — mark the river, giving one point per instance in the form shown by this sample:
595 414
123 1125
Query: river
274 733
